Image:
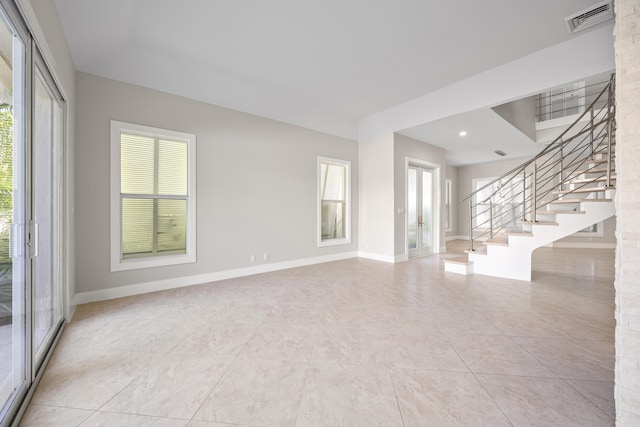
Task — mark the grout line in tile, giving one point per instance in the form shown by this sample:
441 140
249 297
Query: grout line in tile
491 397
393 384
583 395
223 375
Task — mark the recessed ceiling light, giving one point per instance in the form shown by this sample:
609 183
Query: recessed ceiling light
463 133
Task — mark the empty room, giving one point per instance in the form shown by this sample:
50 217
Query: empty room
338 213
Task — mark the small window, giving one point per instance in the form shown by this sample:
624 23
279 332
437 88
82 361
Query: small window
447 205
334 210
152 198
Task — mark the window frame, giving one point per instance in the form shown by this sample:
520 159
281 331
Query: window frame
117 261
347 201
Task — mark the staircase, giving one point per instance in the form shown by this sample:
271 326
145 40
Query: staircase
567 187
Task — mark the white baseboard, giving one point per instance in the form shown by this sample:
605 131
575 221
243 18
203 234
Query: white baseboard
401 258
450 238
378 257
179 282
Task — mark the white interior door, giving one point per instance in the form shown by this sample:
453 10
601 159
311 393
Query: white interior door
420 210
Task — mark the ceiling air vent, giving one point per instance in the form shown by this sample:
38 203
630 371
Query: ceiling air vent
586 18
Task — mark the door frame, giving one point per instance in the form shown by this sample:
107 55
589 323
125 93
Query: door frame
437 202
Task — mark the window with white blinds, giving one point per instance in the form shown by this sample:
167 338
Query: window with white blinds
333 201
153 211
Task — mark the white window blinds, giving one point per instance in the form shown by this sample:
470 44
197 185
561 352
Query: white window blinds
153 191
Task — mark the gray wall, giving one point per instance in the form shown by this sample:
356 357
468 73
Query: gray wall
256 182
408 147
466 174
521 114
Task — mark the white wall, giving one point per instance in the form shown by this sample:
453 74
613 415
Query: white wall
405 147
452 174
376 198
42 18
256 184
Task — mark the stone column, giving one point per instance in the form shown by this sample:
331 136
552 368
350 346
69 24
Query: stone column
627 281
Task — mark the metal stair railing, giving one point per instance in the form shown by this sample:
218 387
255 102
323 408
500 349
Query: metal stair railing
582 150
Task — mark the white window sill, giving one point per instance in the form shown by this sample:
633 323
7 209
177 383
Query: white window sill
151 262
334 242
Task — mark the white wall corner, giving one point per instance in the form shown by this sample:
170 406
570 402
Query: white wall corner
377 257
401 258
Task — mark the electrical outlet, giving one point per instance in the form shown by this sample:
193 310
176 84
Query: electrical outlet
253 258
266 256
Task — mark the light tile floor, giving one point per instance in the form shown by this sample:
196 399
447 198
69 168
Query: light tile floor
349 343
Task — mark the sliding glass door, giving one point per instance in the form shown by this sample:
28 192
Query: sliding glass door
31 141
13 218
47 125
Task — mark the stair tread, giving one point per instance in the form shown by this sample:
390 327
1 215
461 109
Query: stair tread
459 260
497 242
556 212
539 222
519 233
576 201
480 250
613 158
599 179
583 190
594 170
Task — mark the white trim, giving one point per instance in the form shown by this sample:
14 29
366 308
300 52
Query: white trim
448 190
585 245
117 263
347 194
378 257
180 282
465 269
38 36
401 258
450 238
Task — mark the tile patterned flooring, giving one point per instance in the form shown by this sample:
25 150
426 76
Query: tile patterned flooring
348 343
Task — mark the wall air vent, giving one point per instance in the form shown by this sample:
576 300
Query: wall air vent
587 18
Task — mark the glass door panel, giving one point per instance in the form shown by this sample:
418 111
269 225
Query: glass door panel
412 211
420 218
47 312
427 214
13 307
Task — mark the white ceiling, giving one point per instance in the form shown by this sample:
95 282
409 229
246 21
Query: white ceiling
486 133
324 64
